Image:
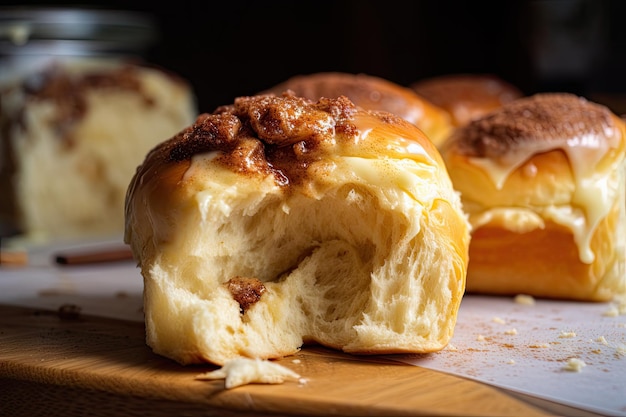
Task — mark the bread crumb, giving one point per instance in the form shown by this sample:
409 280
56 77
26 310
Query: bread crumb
602 340
511 362
620 302
480 338
511 332
498 320
241 371
69 312
524 299
296 361
621 350
539 345
451 347
567 335
574 365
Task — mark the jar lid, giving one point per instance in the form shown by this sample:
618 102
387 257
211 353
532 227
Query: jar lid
43 31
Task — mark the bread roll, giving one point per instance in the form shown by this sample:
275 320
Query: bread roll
278 221
542 180
372 93
73 133
467 96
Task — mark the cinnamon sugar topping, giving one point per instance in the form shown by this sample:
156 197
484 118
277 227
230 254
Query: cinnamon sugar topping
266 134
554 119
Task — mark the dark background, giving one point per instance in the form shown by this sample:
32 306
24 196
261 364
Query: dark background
231 48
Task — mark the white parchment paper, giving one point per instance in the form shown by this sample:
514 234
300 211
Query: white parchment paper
571 353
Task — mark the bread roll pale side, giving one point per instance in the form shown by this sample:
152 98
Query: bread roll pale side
278 221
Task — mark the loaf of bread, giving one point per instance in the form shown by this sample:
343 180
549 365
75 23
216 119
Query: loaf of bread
372 93
467 96
278 221
72 135
542 180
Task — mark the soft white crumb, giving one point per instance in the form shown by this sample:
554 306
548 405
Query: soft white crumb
480 338
498 320
296 361
621 350
451 347
511 362
524 299
574 365
511 332
567 335
241 371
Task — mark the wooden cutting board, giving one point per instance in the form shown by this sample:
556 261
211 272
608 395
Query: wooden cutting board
56 364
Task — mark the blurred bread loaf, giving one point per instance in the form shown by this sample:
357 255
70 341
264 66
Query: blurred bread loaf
72 135
542 179
372 93
467 96
277 221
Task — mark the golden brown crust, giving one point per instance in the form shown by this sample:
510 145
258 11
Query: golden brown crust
542 262
371 93
467 96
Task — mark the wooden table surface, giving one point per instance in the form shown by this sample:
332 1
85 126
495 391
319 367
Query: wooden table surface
56 364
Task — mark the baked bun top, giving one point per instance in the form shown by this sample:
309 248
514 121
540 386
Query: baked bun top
467 96
372 93
540 123
287 137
